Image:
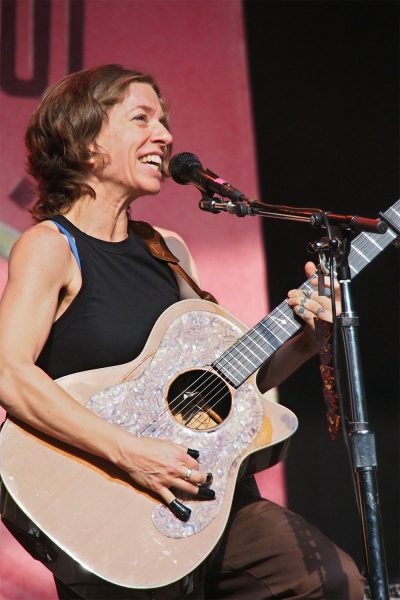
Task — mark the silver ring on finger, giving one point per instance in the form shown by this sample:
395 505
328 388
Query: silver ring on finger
188 474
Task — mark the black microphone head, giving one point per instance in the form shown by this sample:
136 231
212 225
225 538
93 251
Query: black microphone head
181 166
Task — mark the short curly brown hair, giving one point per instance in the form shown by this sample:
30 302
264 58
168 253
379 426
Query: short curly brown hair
64 126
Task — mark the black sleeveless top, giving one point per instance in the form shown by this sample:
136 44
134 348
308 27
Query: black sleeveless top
124 290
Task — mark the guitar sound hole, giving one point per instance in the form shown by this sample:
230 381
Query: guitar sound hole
199 399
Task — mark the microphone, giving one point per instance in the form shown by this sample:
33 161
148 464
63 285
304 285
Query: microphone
185 168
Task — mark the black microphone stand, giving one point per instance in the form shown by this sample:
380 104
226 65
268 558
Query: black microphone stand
357 429
360 436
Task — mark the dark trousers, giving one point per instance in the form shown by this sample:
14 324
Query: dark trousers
266 552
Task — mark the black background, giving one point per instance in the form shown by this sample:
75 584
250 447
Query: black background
324 79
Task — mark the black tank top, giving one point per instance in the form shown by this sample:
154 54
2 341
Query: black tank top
124 290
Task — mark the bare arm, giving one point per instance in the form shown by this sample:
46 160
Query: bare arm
286 361
40 266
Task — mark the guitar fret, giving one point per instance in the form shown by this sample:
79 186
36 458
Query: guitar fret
228 376
360 246
237 359
375 239
237 363
361 254
278 309
289 317
307 286
285 310
369 252
276 320
352 268
394 210
227 373
366 241
392 233
256 343
288 331
246 348
242 366
269 332
264 338
272 328
365 247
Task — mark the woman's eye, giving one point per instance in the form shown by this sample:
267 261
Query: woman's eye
140 117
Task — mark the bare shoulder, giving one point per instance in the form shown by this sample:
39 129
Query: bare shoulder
39 237
39 268
41 247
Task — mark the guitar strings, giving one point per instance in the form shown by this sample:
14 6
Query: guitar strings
199 394
232 352
177 402
217 388
364 255
205 409
273 328
285 310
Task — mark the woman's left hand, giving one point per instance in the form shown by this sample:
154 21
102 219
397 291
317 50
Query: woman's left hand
301 347
308 305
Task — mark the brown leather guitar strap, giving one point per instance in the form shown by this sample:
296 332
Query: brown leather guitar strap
159 249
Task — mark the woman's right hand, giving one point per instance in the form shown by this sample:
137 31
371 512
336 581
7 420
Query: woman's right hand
160 465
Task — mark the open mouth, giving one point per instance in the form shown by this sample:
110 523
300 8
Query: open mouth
153 160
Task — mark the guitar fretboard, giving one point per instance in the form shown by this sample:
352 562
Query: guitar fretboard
258 344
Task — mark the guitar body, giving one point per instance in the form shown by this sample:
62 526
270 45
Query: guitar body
93 511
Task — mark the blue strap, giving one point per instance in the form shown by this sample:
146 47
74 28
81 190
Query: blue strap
71 242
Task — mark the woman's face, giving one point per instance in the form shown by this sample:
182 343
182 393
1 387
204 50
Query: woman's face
134 140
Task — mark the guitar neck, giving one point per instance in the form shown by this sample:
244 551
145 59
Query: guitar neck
258 344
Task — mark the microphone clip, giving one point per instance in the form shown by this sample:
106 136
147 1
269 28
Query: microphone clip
215 204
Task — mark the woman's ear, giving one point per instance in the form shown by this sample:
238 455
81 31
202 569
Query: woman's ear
92 155
96 158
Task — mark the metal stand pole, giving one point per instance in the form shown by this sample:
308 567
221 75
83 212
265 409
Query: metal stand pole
361 442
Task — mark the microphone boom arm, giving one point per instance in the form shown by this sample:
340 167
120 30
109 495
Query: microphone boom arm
314 216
